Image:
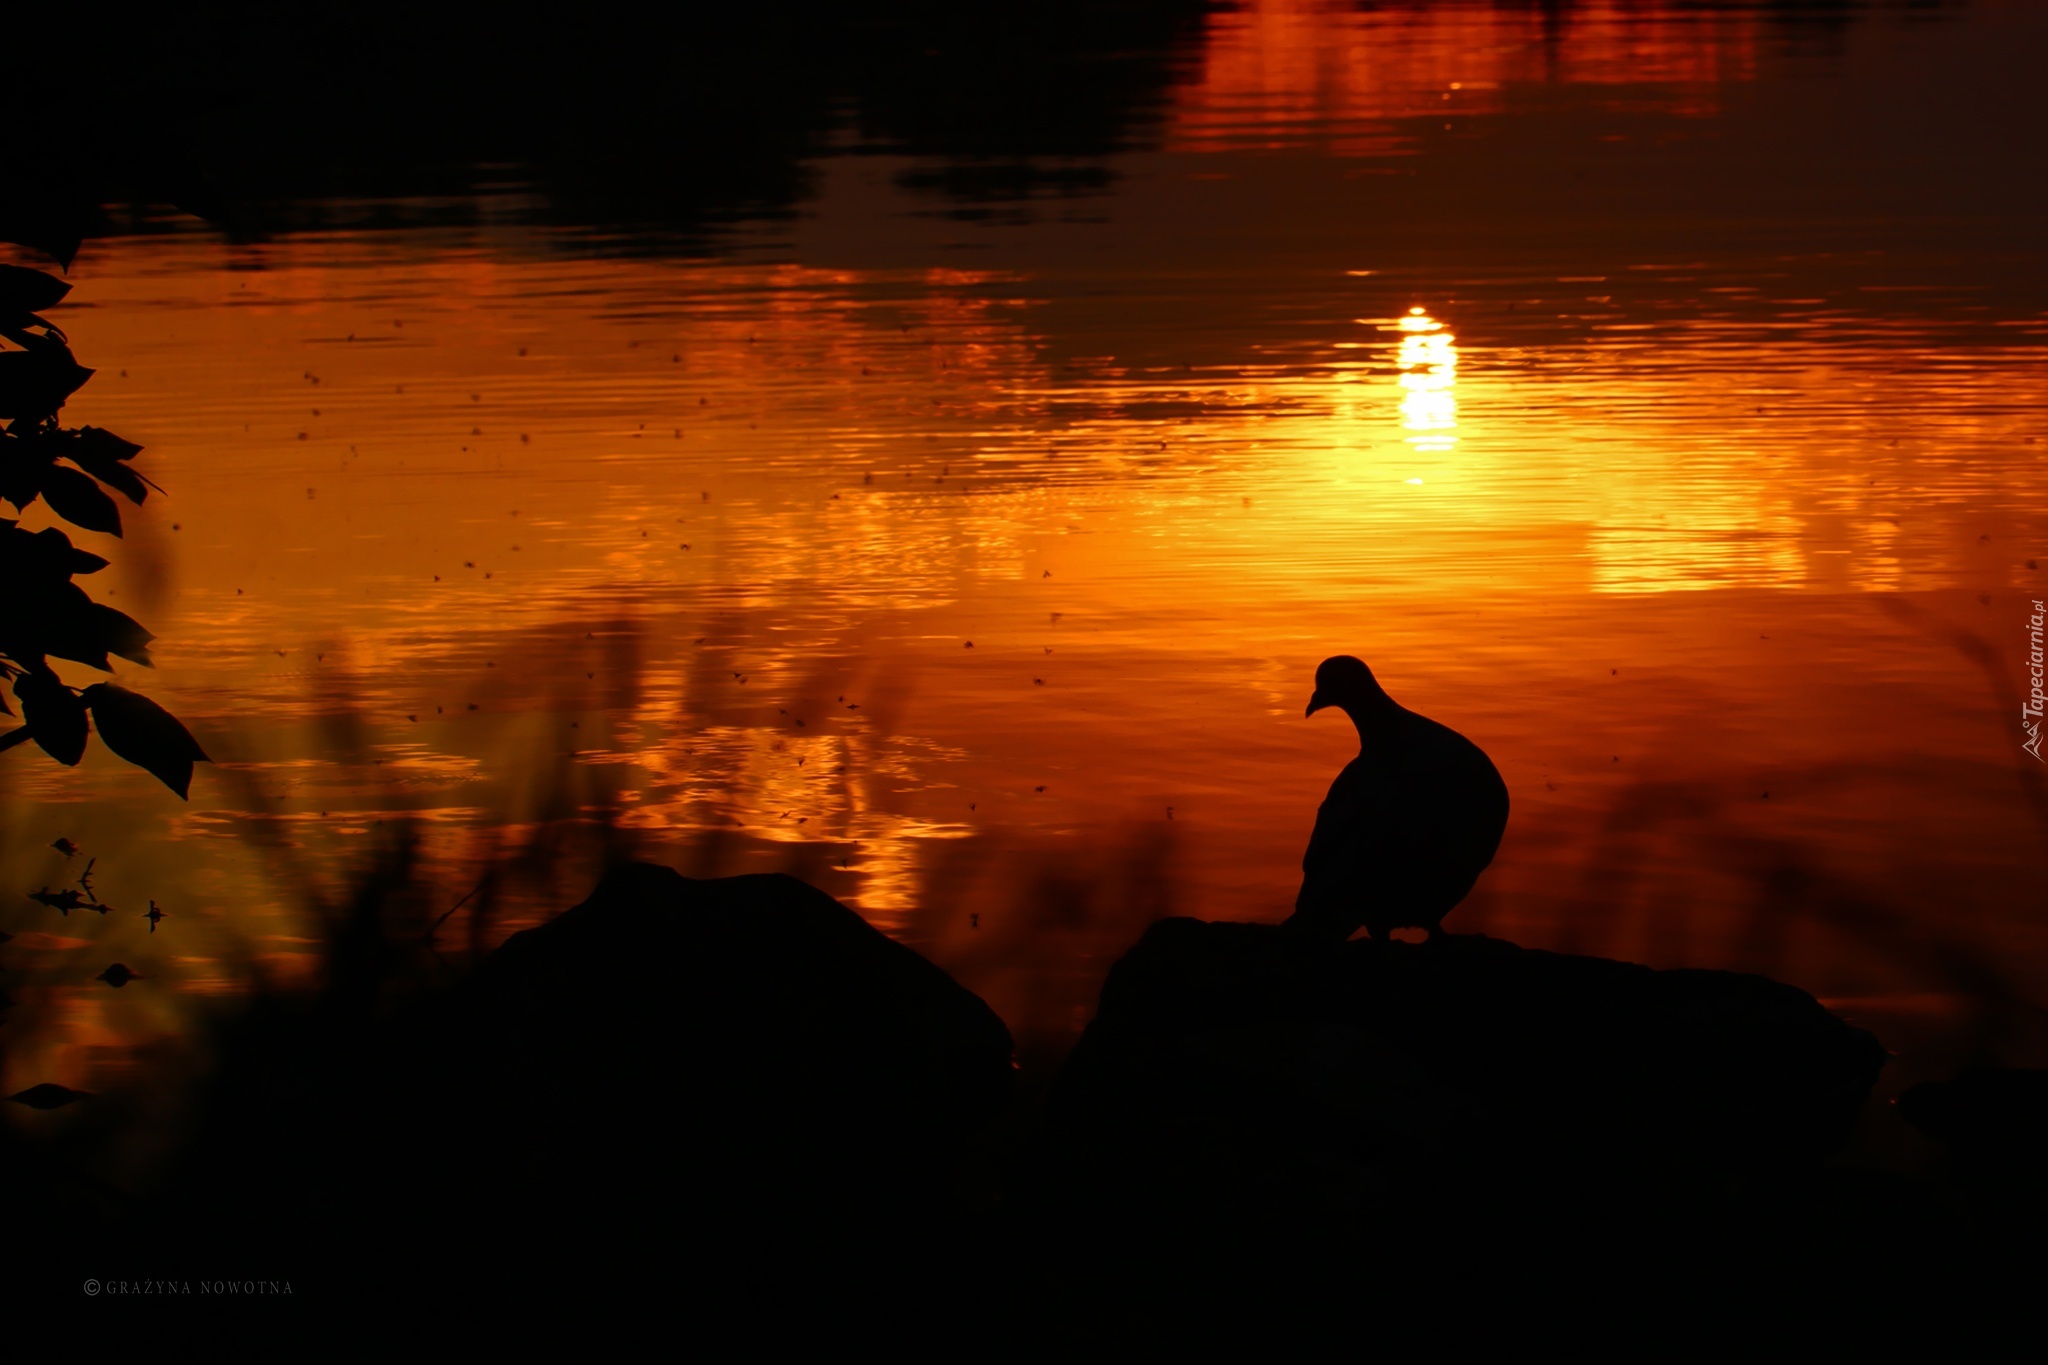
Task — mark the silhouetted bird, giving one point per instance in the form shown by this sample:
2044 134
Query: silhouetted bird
65 847
118 975
1408 825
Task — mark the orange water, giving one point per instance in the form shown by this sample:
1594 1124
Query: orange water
976 569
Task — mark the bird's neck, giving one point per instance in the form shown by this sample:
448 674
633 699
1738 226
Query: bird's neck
1374 721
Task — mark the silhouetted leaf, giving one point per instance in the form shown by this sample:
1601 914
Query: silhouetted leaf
45 214
18 327
83 561
52 615
21 471
46 554
145 734
102 454
73 645
124 481
55 234
119 633
14 737
93 444
55 716
50 589
35 383
76 498
31 291
48 1096
193 191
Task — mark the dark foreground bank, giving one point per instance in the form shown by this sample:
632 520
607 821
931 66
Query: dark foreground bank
733 1106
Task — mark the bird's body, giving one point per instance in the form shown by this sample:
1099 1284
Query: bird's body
1408 825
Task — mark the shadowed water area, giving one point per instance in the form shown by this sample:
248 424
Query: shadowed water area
1654 394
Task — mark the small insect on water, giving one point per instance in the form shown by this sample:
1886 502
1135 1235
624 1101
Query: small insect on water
63 902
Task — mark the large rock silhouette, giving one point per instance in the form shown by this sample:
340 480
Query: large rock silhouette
746 1044
1235 1078
711 1098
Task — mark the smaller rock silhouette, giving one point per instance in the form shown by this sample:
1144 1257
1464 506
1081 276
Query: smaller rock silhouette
48 1096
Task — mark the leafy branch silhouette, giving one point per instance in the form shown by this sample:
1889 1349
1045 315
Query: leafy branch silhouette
45 615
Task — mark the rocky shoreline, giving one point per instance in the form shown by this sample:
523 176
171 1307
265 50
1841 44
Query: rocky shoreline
734 1099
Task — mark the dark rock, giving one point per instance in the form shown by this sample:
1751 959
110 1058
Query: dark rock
1992 1123
1410 1116
748 1043
49 1096
687 1101
732 1101
1994 1111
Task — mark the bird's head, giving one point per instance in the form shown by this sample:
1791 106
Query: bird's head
1346 683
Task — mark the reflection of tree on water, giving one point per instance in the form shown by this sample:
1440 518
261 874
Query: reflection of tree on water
684 117
678 117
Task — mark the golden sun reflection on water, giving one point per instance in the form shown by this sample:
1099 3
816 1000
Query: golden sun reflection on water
1428 357
873 576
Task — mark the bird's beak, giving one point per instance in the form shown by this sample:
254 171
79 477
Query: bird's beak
1315 703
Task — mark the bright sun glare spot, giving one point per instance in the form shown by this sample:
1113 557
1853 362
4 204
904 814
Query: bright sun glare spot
1428 360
